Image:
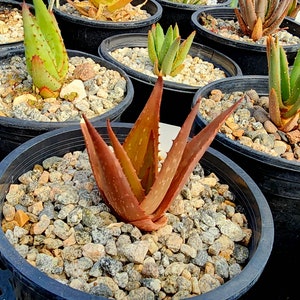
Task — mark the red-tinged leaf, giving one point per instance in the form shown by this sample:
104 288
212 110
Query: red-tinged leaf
110 177
193 152
149 225
168 170
128 169
48 85
274 108
145 128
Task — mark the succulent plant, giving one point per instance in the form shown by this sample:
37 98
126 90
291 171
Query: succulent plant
166 51
46 56
128 177
103 10
294 9
258 18
284 87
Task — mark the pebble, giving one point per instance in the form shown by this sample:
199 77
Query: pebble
92 91
250 124
199 249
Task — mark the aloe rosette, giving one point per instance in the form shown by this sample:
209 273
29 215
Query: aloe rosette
166 51
258 18
284 87
128 177
46 56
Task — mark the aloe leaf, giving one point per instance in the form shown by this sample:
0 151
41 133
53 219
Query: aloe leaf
117 4
183 50
176 33
151 46
274 109
273 56
35 43
165 176
294 100
126 165
51 32
168 40
159 37
48 85
284 75
295 73
144 130
167 63
177 70
194 150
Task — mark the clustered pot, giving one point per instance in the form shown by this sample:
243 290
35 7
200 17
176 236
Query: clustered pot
180 13
30 283
14 131
278 178
251 58
177 97
86 34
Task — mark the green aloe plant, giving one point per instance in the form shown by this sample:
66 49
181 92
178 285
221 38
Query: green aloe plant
258 18
128 177
46 56
166 51
284 87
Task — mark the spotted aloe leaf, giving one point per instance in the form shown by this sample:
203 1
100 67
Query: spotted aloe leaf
284 86
166 51
45 52
128 177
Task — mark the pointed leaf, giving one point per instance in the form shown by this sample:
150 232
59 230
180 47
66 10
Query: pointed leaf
146 128
193 152
51 32
45 82
184 48
168 169
167 63
128 169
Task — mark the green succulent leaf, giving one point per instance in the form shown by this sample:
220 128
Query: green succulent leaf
42 39
167 42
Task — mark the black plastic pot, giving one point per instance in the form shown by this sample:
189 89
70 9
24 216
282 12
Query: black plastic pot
10 4
279 180
86 35
30 283
180 13
14 132
177 98
252 58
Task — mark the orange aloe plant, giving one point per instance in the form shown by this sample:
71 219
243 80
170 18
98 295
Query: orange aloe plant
258 18
103 10
128 177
